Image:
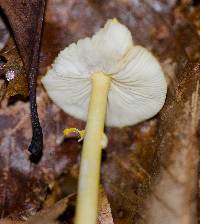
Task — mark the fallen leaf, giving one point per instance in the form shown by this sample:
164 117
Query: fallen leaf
105 214
51 214
47 215
25 19
173 198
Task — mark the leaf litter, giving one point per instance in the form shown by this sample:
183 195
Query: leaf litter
147 168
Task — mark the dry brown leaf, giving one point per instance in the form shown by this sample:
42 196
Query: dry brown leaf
173 198
47 215
105 214
50 215
19 85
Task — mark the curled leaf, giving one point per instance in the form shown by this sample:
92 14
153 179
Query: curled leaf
26 19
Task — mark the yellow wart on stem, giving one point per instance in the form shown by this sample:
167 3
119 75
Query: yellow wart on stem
81 133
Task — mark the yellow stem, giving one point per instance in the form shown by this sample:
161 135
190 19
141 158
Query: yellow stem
87 202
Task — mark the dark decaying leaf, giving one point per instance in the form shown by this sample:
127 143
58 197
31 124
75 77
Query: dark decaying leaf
25 18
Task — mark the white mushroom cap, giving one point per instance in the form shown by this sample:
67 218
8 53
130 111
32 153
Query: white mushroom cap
138 87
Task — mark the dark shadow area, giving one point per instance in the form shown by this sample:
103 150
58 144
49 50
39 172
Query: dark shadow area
14 99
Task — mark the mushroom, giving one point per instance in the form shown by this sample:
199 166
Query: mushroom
104 79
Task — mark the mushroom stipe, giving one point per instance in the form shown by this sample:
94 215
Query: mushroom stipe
104 79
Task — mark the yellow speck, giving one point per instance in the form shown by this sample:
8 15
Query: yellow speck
81 133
